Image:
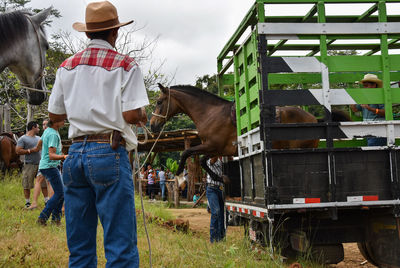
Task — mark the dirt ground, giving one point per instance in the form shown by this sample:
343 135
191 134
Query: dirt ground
199 222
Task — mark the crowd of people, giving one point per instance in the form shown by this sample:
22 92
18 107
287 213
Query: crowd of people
154 181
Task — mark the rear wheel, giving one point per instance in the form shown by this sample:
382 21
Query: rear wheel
362 247
383 241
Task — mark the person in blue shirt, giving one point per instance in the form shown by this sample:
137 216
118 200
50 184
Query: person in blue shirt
371 112
48 166
196 197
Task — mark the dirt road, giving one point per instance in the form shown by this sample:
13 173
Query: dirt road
199 222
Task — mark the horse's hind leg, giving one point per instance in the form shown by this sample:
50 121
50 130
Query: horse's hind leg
196 150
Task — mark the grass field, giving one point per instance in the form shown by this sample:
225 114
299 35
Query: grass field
23 243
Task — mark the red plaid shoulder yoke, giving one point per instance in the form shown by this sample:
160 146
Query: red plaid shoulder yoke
105 58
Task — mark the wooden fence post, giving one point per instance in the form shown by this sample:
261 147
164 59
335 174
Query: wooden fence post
7 118
191 173
176 192
1 118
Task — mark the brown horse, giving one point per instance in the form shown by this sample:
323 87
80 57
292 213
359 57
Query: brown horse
7 151
212 117
290 115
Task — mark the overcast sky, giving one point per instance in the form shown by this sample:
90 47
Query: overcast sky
191 33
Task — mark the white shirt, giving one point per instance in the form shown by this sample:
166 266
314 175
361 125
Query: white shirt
217 169
161 175
94 87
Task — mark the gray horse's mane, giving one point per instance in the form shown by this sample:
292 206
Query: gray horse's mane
13 28
201 94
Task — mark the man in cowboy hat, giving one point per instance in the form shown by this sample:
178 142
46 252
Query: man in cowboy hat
101 93
371 112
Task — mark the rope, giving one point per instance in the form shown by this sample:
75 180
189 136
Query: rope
166 114
146 130
143 213
140 189
159 135
151 150
140 180
35 89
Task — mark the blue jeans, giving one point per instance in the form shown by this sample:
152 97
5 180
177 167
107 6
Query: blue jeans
151 190
98 184
217 207
54 205
162 186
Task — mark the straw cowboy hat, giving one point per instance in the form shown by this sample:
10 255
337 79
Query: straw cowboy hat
372 78
100 16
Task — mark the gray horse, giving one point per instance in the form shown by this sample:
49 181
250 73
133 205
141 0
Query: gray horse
23 46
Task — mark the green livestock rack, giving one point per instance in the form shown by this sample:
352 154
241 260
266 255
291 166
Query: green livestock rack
319 49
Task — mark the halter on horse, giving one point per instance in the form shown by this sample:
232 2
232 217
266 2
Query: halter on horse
212 117
23 46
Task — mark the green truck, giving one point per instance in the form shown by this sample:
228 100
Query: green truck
316 199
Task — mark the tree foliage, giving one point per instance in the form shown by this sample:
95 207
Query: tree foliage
210 84
172 165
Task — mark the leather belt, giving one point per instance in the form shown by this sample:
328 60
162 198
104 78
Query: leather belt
103 138
215 186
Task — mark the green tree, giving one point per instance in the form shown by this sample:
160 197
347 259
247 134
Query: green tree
172 165
210 83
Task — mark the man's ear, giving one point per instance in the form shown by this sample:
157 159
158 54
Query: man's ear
115 33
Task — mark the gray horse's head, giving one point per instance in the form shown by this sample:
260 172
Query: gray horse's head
25 53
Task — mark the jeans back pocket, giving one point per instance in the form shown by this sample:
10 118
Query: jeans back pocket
104 168
73 174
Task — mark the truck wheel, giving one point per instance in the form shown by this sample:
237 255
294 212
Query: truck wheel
383 241
362 247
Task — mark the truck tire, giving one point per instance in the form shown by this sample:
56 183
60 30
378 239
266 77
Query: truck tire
362 247
383 241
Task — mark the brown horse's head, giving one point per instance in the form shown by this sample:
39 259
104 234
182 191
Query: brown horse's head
166 107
